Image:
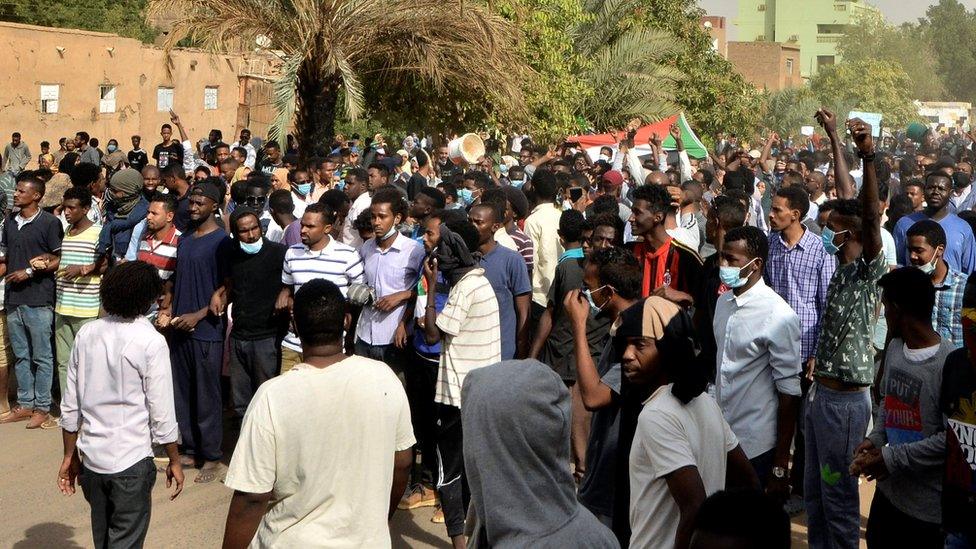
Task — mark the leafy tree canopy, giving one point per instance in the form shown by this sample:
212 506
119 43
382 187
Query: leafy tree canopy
122 17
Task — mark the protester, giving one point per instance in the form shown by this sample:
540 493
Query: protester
118 402
960 250
926 247
522 491
299 486
542 226
905 450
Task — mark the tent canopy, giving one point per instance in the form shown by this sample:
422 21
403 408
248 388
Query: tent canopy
693 145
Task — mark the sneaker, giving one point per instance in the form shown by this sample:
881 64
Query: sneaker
37 419
438 517
17 413
419 496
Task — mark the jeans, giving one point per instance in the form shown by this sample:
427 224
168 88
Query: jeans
65 330
30 336
120 504
251 364
836 422
388 354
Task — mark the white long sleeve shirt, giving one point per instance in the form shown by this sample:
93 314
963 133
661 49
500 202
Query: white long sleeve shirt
758 339
119 393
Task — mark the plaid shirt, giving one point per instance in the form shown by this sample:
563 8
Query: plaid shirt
801 275
947 313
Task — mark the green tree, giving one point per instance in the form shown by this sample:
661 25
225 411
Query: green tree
907 45
338 53
950 28
869 85
122 17
787 110
714 96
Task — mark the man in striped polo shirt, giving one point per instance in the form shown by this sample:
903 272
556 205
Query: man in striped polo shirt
318 256
78 277
157 246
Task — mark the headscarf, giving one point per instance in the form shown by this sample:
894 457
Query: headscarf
453 257
129 181
281 177
522 491
672 329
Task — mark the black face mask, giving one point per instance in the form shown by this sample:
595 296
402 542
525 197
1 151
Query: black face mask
960 180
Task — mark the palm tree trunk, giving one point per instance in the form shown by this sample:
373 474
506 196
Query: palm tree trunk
317 97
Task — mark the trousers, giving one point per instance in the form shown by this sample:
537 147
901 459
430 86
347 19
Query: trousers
196 388
30 337
120 504
251 364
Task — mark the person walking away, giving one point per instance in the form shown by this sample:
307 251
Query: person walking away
118 402
301 487
522 490
905 451
29 236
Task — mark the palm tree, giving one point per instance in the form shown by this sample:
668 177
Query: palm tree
335 52
624 66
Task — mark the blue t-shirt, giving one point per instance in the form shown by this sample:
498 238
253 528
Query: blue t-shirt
960 251
199 272
509 277
117 232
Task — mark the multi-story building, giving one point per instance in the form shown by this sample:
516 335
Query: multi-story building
816 26
767 65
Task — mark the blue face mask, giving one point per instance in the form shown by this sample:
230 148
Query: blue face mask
517 183
112 148
466 196
304 188
594 308
730 276
828 240
253 247
341 184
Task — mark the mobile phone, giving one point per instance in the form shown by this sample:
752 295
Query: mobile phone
575 193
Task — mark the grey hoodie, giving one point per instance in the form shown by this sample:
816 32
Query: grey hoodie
516 419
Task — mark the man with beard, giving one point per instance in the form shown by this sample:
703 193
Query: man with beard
960 251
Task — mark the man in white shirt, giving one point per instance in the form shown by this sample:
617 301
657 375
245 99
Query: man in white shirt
118 402
338 484
358 191
244 142
757 381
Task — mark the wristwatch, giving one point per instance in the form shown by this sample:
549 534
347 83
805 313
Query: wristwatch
779 472
29 271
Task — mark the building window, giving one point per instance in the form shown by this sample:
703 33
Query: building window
825 60
831 29
106 98
49 98
210 98
164 99
789 67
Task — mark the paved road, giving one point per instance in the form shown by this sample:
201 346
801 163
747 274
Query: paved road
36 515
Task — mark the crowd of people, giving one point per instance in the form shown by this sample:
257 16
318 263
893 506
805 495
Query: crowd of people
551 346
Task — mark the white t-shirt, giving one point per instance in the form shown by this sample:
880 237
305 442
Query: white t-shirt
330 479
669 436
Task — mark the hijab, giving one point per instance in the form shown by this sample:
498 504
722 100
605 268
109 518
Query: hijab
522 490
129 181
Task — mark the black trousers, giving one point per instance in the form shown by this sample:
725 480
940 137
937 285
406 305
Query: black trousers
452 485
196 387
252 362
889 527
420 375
120 504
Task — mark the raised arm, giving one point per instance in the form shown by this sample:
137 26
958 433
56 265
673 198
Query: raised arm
870 207
842 173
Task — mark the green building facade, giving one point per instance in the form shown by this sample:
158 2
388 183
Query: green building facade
814 25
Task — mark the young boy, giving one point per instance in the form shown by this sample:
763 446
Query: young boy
118 402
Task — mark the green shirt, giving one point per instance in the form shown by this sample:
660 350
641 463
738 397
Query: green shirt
845 351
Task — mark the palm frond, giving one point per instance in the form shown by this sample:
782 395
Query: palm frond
284 98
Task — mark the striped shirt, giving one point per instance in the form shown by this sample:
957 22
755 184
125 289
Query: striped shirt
160 253
337 263
524 244
78 297
472 334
